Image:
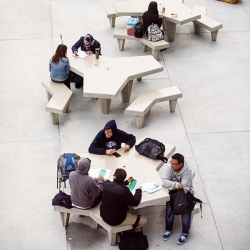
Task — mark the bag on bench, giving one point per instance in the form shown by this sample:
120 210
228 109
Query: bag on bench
152 149
139 30
62 199
154 33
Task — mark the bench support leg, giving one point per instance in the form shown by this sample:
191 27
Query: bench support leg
112 238
139 121
214 35
172 105
140 19
96 225
54 118
65 218
148 113
112 21
126 92
144 47
121 43
155 54
170 27
196 28
105 105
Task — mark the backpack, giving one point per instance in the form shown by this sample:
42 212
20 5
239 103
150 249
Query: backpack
139 30
154 33
66 163
62 199
152 149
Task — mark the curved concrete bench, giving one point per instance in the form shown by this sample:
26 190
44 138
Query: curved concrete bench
121 35
206 22
59 97
142 105
93 213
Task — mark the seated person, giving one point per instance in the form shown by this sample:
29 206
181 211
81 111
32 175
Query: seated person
151 16
88 44
109 139
116 199
59 66
85 192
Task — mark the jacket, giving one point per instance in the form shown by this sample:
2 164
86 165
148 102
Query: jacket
171 179
149 19
115 201
59 72
100 142
80 43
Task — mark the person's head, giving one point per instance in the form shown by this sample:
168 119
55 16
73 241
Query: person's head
152 8
110 128
61 51
83 166
120 175
88 40
177 161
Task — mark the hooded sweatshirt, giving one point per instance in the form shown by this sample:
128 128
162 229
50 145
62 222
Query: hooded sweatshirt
83 187
101 143
171 178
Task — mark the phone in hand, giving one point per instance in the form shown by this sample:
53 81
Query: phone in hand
116 154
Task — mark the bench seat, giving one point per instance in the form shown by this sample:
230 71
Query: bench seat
59 97
142 105
206 22
121 35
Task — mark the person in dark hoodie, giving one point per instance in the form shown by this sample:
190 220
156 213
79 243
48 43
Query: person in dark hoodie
109 139
85 192
116 199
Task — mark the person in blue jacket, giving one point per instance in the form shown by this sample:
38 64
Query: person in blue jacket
109 139
89 45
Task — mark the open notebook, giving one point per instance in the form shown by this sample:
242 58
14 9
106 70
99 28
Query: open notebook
94 173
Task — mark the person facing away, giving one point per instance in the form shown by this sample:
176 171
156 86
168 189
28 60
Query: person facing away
177 175
151 16
85 192
109 139
59 66
116 199
89 45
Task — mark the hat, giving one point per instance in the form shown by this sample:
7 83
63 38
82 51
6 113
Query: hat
83 166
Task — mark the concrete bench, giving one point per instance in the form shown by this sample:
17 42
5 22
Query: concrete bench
93 213
142 105
111 15
121 35
206 22
59 97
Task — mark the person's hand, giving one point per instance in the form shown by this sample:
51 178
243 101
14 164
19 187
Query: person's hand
126 147
75 53
180 186
110 151
89 52
101 178
130 178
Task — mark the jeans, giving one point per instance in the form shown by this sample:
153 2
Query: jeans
186 220
66 82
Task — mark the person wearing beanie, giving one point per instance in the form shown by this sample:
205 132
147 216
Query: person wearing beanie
85 192
109 139
116 198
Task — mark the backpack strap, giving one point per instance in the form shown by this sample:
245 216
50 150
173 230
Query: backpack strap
164 159
199 201
136 223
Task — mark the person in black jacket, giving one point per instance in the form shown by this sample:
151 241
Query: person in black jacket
109 139
115 201
151 16
89 45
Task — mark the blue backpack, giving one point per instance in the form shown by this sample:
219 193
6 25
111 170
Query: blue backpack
66 163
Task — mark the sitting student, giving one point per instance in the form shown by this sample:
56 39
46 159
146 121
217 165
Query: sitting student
85 192
177 175
59 66
116 199
109 139
151 16
89 45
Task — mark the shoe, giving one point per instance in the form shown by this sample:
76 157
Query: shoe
78 85
182 239
166 235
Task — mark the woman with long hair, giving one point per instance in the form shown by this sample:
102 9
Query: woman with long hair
59 66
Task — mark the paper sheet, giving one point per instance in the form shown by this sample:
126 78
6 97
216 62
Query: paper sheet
81 54
94 173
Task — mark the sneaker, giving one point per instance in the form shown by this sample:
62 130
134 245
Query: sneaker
182 239
166 235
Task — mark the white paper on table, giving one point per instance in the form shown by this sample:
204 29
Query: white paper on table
137 185
148 186
94 173
81 54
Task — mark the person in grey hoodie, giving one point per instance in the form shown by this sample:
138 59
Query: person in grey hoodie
85 192
177 175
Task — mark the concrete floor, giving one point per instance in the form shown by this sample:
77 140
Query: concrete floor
210 127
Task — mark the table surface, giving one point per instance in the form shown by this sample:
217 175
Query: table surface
106 77
140 167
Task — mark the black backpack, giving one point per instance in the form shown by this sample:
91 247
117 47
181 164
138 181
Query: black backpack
62 199
139 30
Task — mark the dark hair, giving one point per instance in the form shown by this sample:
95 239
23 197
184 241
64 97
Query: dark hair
60 52
107 128
178 157
120 174
152 9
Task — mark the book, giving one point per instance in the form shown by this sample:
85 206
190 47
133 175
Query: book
94 173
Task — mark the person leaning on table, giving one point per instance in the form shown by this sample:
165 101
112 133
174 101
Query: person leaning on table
109 139
115 201
59 66
89 45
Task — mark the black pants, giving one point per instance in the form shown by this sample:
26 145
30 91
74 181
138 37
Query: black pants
66 82
78 80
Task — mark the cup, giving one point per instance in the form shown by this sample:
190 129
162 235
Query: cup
176 15
97 53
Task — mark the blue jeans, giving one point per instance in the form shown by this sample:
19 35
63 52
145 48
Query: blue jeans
186 219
